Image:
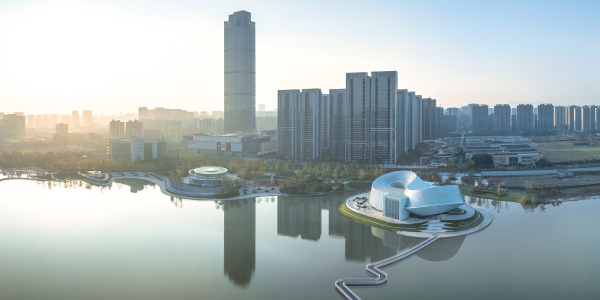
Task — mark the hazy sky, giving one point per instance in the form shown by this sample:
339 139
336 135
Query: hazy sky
111 56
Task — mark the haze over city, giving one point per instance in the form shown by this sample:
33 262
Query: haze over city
111 56
299 150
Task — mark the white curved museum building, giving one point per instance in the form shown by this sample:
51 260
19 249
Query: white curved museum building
399 194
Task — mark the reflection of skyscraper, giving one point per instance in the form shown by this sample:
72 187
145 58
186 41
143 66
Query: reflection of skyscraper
299 217
239 241
361 244
337 221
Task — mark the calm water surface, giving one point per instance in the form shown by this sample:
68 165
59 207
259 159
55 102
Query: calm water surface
133 242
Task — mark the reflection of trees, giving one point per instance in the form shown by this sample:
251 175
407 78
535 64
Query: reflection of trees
239 240
135 184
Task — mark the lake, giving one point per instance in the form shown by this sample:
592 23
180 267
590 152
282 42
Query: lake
133 242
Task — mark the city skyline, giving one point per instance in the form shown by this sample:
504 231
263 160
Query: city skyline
172 53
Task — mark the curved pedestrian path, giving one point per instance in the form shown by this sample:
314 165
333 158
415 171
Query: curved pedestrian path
343 285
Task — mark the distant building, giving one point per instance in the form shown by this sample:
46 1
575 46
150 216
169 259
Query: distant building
545 115
62 129
116 129
261 107
134 128
560 116
75 119
428 110
453 111
240 73
439 121
502 118
588 118
87 118
136 149
12 126
479 117
247 145
449 124
338 128
525 120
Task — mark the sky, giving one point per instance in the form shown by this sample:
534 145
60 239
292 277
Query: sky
117 55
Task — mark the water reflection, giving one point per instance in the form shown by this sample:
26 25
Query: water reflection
135 184
239 241
299 217
442 249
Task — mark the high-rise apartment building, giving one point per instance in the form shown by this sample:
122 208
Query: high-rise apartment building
428 111
560 116
299 124
525 118
439 121
545 117
571 117
240 73
75 119
453 111
134 128
501 118
338 128
588 118
326 125
87 118
116 130
371 117
578 119
479 118
358 92
288 124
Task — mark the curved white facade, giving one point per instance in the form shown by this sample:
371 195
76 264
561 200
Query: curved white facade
402 192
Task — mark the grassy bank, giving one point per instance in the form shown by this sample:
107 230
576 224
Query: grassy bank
344 210
508 197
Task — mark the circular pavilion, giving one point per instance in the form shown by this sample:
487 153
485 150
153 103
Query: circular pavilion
207 176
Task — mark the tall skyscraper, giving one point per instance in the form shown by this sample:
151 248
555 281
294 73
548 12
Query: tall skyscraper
501 118
524 118
240 73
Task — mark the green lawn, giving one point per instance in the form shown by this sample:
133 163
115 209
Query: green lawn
566 151
509 197
344 210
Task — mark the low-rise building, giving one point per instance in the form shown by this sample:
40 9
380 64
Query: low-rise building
136 148
233 145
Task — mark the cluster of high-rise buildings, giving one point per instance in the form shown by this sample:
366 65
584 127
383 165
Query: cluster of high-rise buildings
526 118
371 120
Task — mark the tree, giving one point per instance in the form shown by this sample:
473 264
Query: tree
483 160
